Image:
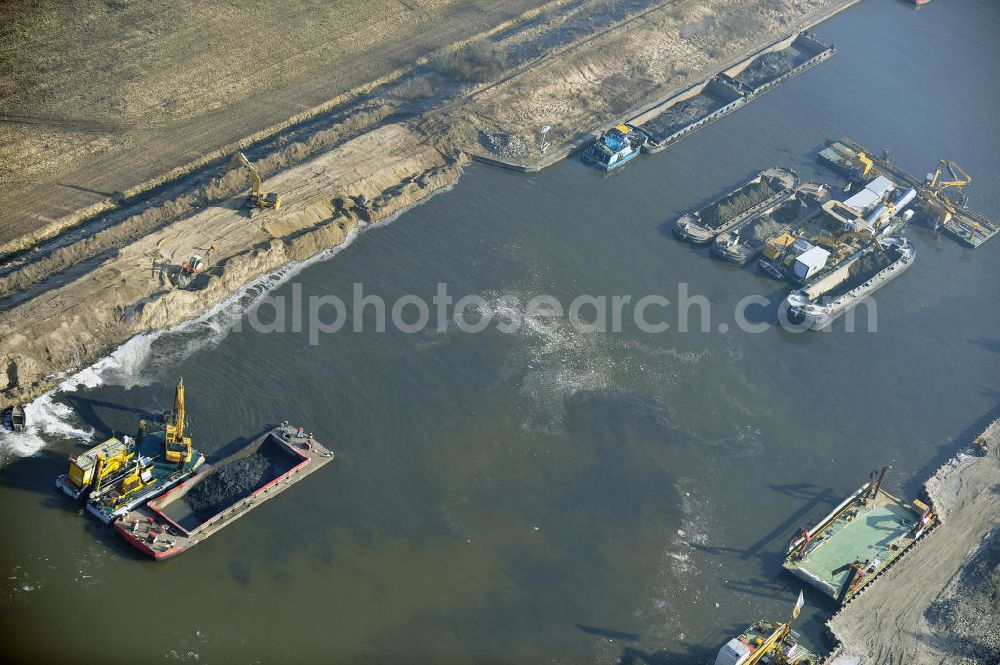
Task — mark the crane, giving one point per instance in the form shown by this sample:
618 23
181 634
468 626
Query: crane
257 198
959 178
937 199
178 446
764 648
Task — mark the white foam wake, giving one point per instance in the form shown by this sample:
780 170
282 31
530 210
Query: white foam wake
142 358
139 360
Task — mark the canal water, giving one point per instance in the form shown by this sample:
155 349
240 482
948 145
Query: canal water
546 495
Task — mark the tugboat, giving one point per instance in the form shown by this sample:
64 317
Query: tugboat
143 470
14 418
615 147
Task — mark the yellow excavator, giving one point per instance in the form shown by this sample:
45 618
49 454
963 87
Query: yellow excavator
178 446
257 198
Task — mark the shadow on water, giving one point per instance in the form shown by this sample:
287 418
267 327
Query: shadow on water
36 473
814 495
692 655
991 345
948 449
86 409
610 633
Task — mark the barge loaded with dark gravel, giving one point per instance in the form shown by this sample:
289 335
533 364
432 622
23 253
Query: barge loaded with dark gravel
766 189
222 493
745 241
707 101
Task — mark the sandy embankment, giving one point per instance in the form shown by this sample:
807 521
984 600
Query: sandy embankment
576 66
73 325
941 602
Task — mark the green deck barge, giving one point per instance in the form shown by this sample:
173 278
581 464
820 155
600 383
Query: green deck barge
857 541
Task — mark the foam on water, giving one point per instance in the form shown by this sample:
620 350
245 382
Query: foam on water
46 418
144 357
554 361
141 359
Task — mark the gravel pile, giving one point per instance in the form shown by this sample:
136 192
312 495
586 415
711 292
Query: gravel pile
680 115
968 614
503 144
765 228
736 204
225 486
768 67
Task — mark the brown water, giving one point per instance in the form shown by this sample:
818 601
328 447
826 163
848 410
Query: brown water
550 495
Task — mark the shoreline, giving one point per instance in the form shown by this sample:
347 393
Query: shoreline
912 609
653 108
63 321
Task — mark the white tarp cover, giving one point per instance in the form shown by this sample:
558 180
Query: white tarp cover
871 194
810 261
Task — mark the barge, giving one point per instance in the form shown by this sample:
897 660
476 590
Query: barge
768 188
821 302
712 99
222 492
744 242
827 241
941 200
615 147
765 642
858 540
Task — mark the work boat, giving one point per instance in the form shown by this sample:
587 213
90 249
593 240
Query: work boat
822 301
120 474
615 147
766 642
14 418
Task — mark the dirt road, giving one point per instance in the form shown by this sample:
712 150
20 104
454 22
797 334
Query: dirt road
937 605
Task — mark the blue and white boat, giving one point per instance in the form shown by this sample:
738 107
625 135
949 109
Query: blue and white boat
616 146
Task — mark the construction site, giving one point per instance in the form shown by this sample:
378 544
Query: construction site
139 194
95 189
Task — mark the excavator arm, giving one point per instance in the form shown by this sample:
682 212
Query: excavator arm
178 446
252 173
257 198
769 645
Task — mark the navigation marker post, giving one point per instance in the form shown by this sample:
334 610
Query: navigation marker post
543 145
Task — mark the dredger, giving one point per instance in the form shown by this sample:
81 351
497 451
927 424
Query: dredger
120 474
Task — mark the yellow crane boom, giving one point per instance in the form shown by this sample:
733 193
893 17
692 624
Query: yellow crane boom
959 178
178 447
